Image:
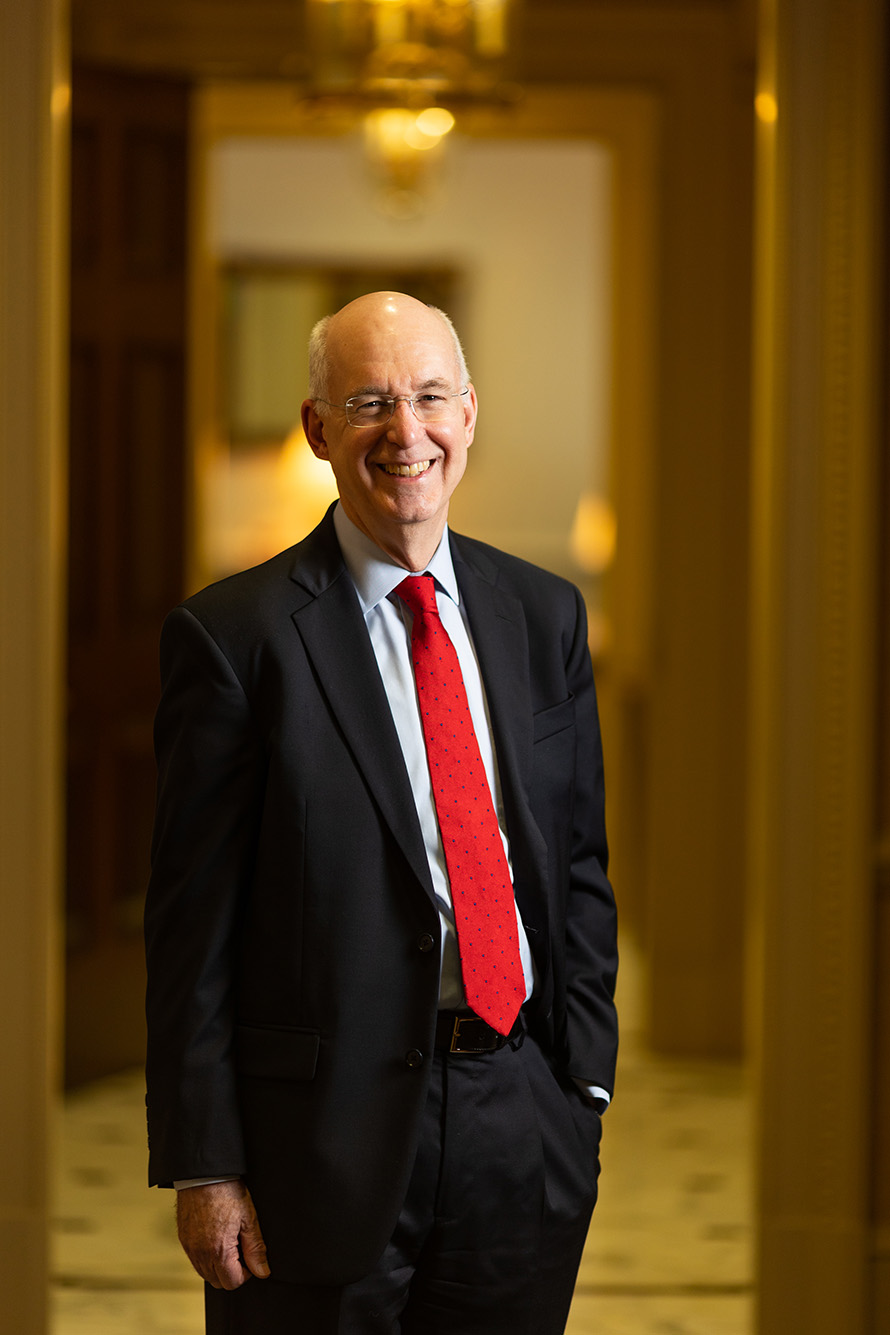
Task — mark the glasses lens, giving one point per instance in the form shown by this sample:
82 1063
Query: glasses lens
434 407
368 410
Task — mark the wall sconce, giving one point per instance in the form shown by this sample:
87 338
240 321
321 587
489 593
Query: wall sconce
593 534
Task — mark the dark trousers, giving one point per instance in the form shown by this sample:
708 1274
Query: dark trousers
491 1232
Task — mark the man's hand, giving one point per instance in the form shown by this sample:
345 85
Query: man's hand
220 1233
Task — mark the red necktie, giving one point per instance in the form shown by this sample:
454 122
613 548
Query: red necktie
481 891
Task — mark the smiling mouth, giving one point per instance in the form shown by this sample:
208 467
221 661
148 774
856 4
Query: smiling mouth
406 470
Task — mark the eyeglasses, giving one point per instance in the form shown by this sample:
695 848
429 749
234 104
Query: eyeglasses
377 409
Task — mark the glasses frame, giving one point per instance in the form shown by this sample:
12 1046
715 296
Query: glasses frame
410 399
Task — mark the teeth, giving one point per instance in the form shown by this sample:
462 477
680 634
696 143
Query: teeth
406 470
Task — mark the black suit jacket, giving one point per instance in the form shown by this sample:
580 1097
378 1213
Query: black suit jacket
291 983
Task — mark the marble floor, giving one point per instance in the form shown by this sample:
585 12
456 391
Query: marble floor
669 1252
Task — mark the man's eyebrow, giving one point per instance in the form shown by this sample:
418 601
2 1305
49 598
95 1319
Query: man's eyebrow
437 382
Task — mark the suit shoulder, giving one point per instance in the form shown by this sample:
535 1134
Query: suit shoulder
273 588
514 573
242 595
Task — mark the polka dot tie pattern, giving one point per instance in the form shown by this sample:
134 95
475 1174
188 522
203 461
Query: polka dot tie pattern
481 891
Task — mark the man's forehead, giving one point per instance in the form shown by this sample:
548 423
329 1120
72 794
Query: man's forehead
378 354
384 329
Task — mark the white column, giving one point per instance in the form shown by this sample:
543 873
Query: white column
33 337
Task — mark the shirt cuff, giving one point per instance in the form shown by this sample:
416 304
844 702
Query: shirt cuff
599 1097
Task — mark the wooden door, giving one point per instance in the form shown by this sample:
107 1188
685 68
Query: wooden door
126 535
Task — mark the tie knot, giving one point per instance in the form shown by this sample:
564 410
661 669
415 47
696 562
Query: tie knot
419 592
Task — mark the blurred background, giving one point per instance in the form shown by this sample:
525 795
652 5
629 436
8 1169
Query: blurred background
661 229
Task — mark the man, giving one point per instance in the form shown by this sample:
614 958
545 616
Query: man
371 1127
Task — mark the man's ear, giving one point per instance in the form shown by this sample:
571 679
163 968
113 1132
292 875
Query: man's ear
471 407
313 429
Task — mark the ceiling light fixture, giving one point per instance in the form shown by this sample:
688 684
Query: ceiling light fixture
407 68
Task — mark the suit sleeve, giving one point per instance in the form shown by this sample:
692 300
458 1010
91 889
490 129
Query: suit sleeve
211 769
591 944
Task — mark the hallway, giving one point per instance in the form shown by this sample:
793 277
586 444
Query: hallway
669 1252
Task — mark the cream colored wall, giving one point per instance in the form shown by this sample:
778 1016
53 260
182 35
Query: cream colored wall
33 122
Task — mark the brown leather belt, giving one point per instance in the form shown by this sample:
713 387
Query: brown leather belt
456 1032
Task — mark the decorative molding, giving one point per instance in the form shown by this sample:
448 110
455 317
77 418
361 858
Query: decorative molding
811 796
264 39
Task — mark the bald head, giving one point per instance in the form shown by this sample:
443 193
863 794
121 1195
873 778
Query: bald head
395 474
372 318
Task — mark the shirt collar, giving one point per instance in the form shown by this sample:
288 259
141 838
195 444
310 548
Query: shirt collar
375 575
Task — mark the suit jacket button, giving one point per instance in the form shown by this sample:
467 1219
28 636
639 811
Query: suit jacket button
414 1058
425 943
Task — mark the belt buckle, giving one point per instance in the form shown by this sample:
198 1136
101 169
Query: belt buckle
470 1021
454 1045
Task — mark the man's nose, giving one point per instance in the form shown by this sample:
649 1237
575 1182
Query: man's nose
403 425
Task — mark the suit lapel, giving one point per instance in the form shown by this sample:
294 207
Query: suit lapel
331 626
500 636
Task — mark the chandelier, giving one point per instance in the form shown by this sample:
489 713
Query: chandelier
407 68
